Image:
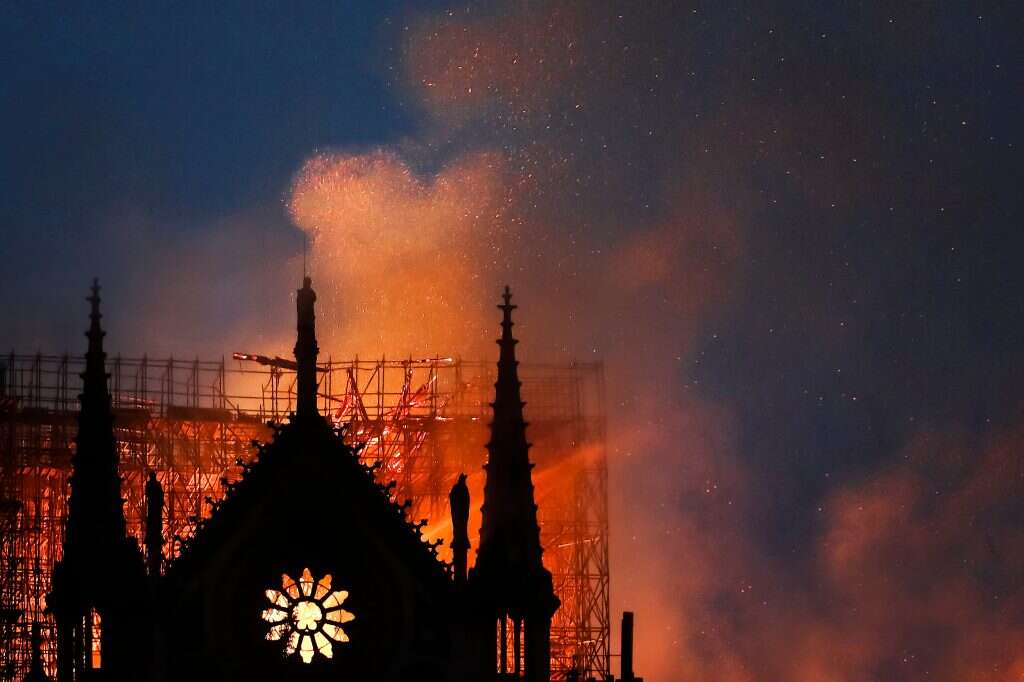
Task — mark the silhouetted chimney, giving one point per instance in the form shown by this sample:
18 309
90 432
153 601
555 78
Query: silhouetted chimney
626 662
99 560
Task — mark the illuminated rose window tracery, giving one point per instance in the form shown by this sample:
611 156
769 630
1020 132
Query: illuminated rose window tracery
307 616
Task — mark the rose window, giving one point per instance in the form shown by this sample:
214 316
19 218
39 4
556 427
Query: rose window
307 616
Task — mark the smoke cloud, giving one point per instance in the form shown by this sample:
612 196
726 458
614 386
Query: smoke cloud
563 152
777 226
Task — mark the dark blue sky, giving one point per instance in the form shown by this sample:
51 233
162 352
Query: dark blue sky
174 116
867 158
199 108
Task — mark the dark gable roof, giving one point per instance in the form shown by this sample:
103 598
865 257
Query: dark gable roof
312 443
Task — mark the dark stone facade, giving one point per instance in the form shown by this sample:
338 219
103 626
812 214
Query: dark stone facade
249 597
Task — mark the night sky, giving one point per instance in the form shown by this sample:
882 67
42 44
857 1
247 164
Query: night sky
790 230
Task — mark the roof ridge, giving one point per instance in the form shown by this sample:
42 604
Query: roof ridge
236 492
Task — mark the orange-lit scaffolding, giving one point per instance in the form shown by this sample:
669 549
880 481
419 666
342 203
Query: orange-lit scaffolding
193 422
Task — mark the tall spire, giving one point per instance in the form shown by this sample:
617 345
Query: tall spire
100 562
306 350
95 513
509 579
95 505
509 534
509 531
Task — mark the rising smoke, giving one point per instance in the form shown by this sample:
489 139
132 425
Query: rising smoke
664 187
564 151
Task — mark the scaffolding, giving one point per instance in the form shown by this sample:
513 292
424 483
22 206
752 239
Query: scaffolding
193 423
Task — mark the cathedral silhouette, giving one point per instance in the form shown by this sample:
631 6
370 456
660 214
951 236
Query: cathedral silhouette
306 570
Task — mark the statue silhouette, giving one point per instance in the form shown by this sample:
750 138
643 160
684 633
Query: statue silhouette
154 524
458 499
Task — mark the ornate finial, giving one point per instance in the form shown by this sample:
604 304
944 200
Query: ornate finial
507 307
506 342
306 349
94 378
95 333
508 380
94 297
